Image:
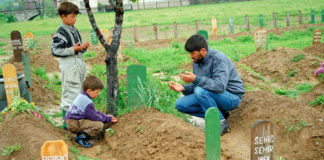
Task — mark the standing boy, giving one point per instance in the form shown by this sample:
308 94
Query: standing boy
67 44
213 83
82 118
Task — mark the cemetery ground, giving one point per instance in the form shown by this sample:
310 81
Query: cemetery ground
280 87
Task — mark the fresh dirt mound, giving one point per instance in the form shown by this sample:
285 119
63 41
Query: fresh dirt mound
144 134
285 114
42 96
29 131
277 66
315 50
308 97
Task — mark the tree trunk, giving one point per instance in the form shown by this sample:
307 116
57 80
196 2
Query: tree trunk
111 50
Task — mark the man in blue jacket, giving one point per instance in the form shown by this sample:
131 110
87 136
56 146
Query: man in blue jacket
213 83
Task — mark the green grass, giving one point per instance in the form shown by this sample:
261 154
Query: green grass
318 101
182 15
299 89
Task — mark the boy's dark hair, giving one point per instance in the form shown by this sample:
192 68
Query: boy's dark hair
68 8
93 83
196 43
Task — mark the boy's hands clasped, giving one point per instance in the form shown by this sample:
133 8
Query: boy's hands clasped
186 77
77 47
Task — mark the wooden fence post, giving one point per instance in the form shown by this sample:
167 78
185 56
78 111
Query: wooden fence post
231 25
181 3
261 20
143 4
300 18
197 26
247 23
155 31
274 20
288 19
175 30
135 34
169 3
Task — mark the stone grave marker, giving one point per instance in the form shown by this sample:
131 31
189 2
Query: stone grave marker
10 82
212 131
57 150
262 141
317 36
231 24
94 38
214 26
16 45
136 76
26 63
260 37
203 33
29 40
261 20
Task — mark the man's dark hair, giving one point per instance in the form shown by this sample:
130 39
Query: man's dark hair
93 83
68 8
196 43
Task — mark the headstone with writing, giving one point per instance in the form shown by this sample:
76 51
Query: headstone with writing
94 38
136 76
312 16
261 20
317 36
262 141
203 33
26 63
54 150
260 37
29 40
214 26
231 24
16 45
212 131
10 82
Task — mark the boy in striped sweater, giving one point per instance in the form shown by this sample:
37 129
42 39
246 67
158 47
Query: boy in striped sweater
67 45
82 118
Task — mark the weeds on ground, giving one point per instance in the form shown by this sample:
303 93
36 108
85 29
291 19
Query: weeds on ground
9 150
299 89
298 58
296 126
292 73
319 100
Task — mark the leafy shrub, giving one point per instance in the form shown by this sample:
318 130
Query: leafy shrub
11 18
319 100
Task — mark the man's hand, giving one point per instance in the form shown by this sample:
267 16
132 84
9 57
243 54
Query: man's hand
188 77
85 45
176 86
113 119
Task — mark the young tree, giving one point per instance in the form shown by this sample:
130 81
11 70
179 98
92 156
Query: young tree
111 51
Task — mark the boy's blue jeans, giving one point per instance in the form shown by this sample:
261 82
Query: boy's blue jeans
197 103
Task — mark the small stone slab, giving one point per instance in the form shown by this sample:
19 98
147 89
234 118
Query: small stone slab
262 141
260 38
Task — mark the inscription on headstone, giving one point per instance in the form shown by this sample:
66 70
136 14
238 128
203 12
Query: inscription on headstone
17 45
260 37
136 75
262 141
94 38
10 82
54 150
214 26
212 131
29 40
317 36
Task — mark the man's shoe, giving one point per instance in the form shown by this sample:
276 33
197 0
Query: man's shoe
226 114
81 139
224 126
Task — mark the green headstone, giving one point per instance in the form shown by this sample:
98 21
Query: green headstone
261 20
203 33
26 63
136 77
94 38
323 16
231 24
313 16
212 127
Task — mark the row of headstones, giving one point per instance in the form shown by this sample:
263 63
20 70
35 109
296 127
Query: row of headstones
231 24
262 137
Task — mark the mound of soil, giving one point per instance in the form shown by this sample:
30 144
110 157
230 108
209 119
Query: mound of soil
30 132
308 97
277 66
285 114
42 96
315 50
151 134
